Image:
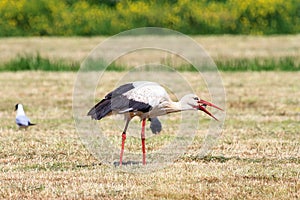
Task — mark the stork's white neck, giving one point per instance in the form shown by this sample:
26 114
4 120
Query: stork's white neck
176 106
20 110
185 106
179 106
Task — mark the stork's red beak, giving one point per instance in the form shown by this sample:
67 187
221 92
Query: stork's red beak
203 104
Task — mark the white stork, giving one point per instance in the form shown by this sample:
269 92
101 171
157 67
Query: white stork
21 119
146 100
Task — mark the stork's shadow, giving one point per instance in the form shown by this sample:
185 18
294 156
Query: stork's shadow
209 158
128 163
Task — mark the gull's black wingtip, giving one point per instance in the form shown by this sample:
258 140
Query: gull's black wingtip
31 124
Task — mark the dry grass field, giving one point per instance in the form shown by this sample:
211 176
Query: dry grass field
256 157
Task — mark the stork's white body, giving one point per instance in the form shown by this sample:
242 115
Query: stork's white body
149 93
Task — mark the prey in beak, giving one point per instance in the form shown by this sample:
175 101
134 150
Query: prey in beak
202 106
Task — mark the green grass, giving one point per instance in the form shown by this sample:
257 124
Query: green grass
259 64
37 62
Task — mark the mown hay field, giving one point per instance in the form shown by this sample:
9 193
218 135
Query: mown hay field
256 157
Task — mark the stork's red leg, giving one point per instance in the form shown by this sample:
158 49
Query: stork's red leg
143 141
122 147
123 141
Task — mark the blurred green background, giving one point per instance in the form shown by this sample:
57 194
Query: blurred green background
108 17
266 25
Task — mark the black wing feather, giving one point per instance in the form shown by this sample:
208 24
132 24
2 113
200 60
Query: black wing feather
121 103
100 110
115 101
120 90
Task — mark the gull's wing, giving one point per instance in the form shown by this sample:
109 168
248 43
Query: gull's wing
22 120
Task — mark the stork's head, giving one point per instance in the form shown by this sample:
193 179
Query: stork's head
194 102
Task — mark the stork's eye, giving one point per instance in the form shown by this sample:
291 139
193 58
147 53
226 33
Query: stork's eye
196 98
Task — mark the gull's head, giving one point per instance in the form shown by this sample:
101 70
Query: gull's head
18 106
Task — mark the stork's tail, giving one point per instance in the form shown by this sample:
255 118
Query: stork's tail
100 110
